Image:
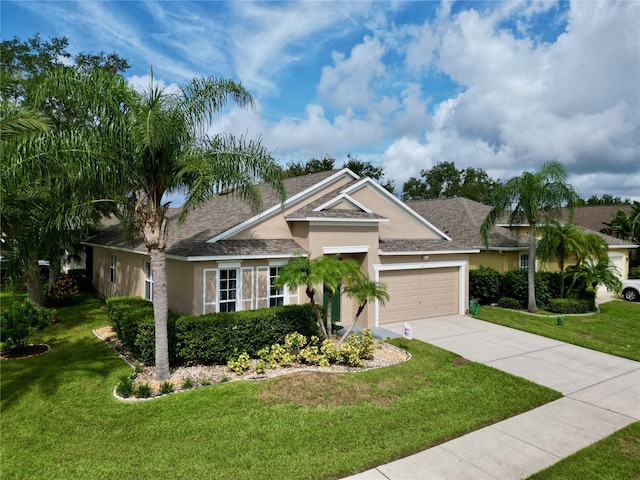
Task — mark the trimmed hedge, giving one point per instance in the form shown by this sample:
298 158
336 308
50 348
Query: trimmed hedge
218 337
485 284
511 303
206 339
568 305
587 295
133 322
516 285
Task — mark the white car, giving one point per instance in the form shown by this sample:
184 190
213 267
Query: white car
631 290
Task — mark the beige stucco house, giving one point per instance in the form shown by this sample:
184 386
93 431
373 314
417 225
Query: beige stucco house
460 218
225 258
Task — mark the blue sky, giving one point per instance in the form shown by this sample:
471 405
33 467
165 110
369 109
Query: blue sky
503 86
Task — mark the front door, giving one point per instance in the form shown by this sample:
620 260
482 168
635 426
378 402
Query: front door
335 305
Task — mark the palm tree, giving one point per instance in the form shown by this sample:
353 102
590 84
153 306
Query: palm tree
327 270
364 290
303 272
598 272
155 142
593 249
535 199
559 241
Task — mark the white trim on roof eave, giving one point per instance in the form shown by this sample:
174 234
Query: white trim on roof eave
505 249
428 252
217 258
333 222
119 249
412 213
281 206
342 197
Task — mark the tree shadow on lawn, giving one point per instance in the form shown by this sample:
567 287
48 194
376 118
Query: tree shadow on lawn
81 362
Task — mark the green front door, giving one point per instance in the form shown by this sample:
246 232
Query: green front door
335 305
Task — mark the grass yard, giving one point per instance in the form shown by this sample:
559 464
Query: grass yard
60 420
616 457
615 330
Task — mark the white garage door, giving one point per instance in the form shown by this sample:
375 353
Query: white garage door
420 293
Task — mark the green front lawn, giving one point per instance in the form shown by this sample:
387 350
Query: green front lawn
616 457
60 420
615 330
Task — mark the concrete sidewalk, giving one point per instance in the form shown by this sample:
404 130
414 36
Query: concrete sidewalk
602 395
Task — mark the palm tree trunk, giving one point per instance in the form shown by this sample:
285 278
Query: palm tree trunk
31 275
316 310
353 324
160 312
328 320
531 273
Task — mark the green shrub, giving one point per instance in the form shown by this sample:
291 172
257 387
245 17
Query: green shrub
187 383
552 282
568 305
511 303
357 348
587 295
124 387
368 344
166 387
516 285
261 367
311 355
61 289
215 338
634 272
143 390
134 324
239 364
485 284
330 351
20 320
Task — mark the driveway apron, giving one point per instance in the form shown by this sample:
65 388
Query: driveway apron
601 395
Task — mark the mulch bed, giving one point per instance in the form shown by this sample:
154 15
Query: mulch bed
24 352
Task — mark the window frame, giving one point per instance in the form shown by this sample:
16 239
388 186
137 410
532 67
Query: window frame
113 270
148 281
524 260
222 272
278 298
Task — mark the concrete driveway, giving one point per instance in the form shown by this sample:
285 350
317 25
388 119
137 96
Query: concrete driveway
601 395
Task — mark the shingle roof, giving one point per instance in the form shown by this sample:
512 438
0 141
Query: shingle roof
218 215
460 218
594 217
421 245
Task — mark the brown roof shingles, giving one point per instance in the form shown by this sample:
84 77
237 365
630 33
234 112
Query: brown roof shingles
421 245
218 215
460 218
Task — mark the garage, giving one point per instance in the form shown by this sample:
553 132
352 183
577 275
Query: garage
420 293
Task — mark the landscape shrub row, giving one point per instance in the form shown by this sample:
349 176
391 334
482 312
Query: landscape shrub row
511 289
206 339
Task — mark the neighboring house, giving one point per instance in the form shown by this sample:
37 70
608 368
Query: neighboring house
460 218
225 258
594 217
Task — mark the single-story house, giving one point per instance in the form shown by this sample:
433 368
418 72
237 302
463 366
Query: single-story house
461 218
225 257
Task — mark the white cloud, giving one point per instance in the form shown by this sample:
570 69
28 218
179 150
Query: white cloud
268 36
142 83
575 100
347 83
